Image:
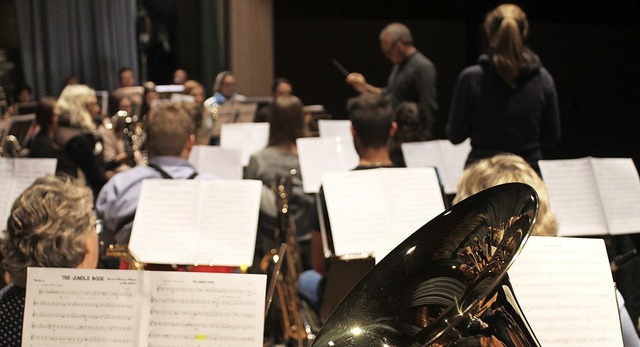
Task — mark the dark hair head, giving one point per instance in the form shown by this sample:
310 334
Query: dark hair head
286 122
371 116
45 111
277 82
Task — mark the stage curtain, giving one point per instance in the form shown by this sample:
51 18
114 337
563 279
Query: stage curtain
91 39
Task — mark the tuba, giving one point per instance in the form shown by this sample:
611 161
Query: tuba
447 284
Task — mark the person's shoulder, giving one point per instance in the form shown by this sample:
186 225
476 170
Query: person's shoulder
422 59
131 176
470 73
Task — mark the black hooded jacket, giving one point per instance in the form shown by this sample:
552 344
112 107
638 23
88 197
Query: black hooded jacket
499 118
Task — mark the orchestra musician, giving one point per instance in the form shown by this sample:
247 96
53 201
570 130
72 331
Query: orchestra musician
505 168
372 127
171 134
51 224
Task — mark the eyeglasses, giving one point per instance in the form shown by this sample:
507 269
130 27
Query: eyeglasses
387 50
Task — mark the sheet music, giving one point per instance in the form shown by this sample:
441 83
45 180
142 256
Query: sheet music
620 193
442 154
196 221
228 221
318 156
375 210
188 309
331 128
81 307
593 196
247 137
574 197
566 291
225 163
143 308
16 175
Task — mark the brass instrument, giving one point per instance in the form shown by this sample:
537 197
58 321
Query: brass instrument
122 252
130 127
299 324
12 148
447 284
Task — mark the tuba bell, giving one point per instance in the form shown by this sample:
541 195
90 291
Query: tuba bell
447 284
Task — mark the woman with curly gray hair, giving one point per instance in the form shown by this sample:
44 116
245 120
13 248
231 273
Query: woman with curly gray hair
51 225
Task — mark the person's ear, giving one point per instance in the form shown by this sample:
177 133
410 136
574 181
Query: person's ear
353 131
191 142
393 130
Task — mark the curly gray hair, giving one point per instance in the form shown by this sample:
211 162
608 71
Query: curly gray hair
47 227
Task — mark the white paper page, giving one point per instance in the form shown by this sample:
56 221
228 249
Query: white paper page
81 307
332 128
413 198
16 175
442 154
205 309
574 197
318 156
620 193
248 137
165 226
225 163
358 213
455 156
228 221
566 291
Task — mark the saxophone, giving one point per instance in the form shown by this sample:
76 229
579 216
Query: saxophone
299 321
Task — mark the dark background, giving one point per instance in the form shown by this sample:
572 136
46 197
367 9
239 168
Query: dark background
591 51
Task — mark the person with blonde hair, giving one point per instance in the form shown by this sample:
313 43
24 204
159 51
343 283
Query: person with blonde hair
507 102
51 225
75 143
506 168
224 90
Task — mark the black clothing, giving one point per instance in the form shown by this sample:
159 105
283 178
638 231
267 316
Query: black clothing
499 118
11 312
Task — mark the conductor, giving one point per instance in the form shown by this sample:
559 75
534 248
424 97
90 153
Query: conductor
412 78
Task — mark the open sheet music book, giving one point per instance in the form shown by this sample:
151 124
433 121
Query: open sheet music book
593 196
373 211
442 154
566 291
319 155
142 308
16 175
249 138
225 163
196 222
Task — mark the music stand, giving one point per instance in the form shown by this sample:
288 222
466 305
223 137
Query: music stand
25 107
20 127
235 113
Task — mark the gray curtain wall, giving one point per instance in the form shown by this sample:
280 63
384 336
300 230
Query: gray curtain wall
91 39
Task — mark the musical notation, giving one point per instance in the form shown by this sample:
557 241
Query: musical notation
227 302
148 308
